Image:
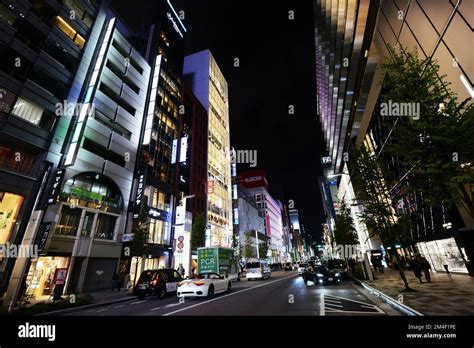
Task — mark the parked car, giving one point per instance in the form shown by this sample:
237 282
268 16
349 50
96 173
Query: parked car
204 285
321 275
301 267
157 282
258 270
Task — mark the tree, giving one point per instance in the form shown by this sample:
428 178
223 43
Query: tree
263 249
378 213
437 148
344 229
198 232
248 250
139 244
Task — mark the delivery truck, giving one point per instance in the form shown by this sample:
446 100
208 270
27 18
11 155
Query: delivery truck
218 260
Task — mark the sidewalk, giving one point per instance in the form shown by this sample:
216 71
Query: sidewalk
445 295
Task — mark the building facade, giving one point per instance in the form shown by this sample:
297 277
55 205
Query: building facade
43 71
208 84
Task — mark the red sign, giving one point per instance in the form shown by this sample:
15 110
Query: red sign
180 245
60 276
253 179
210 186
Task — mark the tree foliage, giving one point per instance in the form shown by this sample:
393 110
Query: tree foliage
344 231
438 148
198 232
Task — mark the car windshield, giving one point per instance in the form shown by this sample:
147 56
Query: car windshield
253 265
146 276
335 264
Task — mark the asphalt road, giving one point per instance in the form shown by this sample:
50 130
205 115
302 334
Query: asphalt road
283 294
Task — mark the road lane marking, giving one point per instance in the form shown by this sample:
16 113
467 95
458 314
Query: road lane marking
133 303
231 294
321 306
102 310
173 304
155 309
120 306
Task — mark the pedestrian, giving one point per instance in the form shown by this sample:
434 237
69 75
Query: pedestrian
446 267
416 268
114 280
425 267
373 262
380 265
126 282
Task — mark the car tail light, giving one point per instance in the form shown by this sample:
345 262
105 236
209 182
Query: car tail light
199 283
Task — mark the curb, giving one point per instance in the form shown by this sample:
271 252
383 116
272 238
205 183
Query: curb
395 304
81 308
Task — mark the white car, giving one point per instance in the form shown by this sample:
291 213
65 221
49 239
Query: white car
204 285
258 270
301 267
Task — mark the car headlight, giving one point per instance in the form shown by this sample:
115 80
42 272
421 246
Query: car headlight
337 274
319 274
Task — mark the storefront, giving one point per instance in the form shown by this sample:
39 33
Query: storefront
138 265
10 205
443 252
44 273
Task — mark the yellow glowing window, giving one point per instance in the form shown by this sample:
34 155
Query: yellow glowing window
10 205
69 32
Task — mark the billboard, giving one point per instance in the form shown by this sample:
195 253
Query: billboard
253 179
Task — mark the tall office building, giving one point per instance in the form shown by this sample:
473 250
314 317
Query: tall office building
41 47
437 30
202 73
157 191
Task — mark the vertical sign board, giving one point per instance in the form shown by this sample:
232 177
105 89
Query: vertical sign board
139 194
174 151
207 260
57 181
44 230
184 150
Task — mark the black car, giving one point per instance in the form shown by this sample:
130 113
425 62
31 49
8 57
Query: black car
157 282
288 266
338 266
321 275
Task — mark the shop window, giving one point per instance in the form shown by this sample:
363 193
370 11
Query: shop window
69 221
105 228
80 191
42 273
69 31
28 111
10 205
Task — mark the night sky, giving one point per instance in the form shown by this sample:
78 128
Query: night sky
276 70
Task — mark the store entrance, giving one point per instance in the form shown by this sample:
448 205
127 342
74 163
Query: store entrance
42 274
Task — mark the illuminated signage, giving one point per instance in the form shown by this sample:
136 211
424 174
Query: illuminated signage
326 160
158 214
254 178
184 149
174 151
139 194
58 179
175 26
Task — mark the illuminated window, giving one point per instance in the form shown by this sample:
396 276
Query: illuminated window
10 205
69 32
28 111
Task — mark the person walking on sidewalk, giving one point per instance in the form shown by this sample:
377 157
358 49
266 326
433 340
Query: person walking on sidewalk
425 267
126 282
114 280
416 268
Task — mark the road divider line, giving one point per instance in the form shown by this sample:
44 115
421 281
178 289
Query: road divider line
231 294
155 309
102 310
133 303
322 311
120 306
